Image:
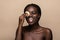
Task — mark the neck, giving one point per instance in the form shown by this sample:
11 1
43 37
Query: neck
35 26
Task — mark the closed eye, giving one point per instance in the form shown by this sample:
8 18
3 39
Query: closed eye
33 12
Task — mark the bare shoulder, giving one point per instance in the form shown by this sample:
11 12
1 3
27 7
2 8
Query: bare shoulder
47 30
48 33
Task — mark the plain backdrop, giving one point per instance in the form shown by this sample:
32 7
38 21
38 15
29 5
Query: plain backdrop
10 10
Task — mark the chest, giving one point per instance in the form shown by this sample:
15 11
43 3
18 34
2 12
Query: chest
37 35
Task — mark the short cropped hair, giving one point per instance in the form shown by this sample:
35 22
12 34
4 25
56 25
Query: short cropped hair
34 5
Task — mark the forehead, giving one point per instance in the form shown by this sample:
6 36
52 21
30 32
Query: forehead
31 8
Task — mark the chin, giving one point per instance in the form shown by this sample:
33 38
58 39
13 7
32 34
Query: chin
30 23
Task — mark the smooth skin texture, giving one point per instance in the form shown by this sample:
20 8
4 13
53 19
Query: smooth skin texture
33 31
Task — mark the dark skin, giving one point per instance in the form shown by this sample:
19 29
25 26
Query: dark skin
33 31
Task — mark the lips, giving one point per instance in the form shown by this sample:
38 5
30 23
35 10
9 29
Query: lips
30 19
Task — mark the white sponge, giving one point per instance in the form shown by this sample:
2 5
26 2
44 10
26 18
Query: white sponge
27 13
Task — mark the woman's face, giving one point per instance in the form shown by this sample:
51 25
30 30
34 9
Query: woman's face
34 15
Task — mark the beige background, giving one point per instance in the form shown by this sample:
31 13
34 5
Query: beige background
10 10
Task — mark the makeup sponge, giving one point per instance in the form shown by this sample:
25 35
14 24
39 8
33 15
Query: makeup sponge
27 13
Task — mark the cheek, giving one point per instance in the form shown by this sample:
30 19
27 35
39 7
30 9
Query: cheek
35 15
